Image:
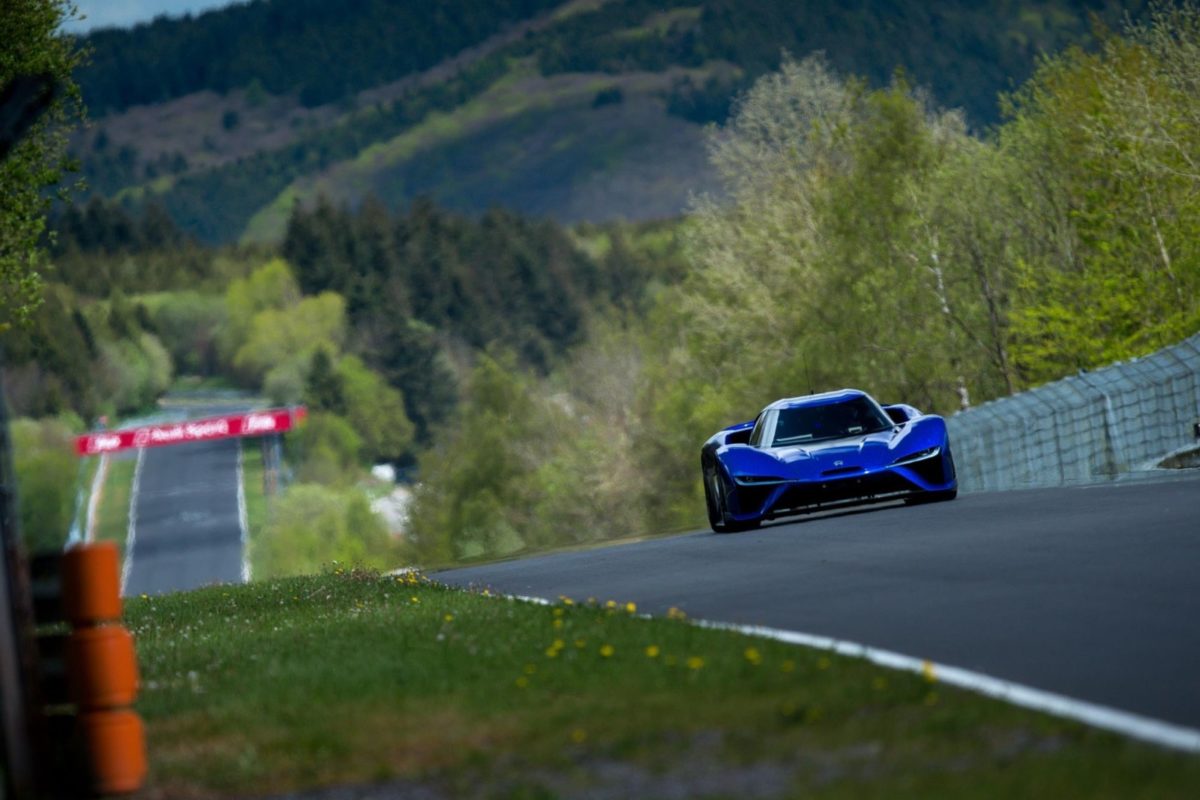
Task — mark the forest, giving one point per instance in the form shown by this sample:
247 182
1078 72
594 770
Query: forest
964 54
551 385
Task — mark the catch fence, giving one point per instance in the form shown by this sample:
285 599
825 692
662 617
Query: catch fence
1091 426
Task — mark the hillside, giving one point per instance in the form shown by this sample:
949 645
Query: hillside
582 110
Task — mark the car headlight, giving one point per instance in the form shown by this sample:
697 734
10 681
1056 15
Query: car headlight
928 452
757 480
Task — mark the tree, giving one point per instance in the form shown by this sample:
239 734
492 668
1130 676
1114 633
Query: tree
1108 150
324 389
33 46
375 409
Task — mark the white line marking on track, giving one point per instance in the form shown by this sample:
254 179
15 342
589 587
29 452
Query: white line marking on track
89 525
131 534
242 521
1110 719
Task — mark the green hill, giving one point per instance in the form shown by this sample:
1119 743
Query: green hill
582 110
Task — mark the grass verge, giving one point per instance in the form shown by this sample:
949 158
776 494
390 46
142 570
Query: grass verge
112 513
353 677
254 486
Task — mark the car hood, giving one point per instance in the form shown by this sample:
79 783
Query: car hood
834 457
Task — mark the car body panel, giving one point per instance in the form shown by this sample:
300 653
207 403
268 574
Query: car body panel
761 482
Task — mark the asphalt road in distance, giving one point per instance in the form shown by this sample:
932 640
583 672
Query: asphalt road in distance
1090 592
187 529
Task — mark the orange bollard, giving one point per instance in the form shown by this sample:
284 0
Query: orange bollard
116 750
91 584
102 667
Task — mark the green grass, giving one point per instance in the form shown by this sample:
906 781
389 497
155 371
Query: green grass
353 677
257 502
112 514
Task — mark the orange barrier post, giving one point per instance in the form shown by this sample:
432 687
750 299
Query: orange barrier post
102 669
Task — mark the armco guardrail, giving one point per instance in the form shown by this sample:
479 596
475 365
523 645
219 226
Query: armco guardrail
1084 428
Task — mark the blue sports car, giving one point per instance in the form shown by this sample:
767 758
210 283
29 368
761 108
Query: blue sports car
820 450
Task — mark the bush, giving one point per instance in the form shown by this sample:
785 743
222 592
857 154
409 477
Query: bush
47 469
328 450
315 526
134 372
187 323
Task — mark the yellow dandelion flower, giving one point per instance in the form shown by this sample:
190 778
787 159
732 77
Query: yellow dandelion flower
566 600
521 682
448 618
652 651
558 612
928 672
578 735
788 666
415 599
559 644
675 613
695 662
551 652
558 623
580 644
753 656
530 669
611 604
631 607
606 650
824 663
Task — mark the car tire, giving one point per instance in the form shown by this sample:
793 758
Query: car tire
716 492
714 501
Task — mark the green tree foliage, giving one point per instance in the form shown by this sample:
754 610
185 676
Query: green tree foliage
33 46
375 410
188 324
50 363
279 337
270 287
324 388
328 450
1108 144
503 278
477 490
134 372
426 275
965 52
531 464
47 470
319 50
100 247
317 526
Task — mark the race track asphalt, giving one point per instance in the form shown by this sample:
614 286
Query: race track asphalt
1089 592
186 531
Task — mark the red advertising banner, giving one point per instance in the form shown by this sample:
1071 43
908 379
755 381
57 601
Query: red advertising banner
254 423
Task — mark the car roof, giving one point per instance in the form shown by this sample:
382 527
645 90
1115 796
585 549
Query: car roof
821 399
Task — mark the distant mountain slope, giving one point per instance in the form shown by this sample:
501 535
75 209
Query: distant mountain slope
319 50
586 109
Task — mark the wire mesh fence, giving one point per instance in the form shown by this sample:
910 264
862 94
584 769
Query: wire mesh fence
1088 427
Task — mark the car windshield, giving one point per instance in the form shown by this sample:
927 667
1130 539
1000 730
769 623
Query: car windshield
853 417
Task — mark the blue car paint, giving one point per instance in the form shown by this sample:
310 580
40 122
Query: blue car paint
865 464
